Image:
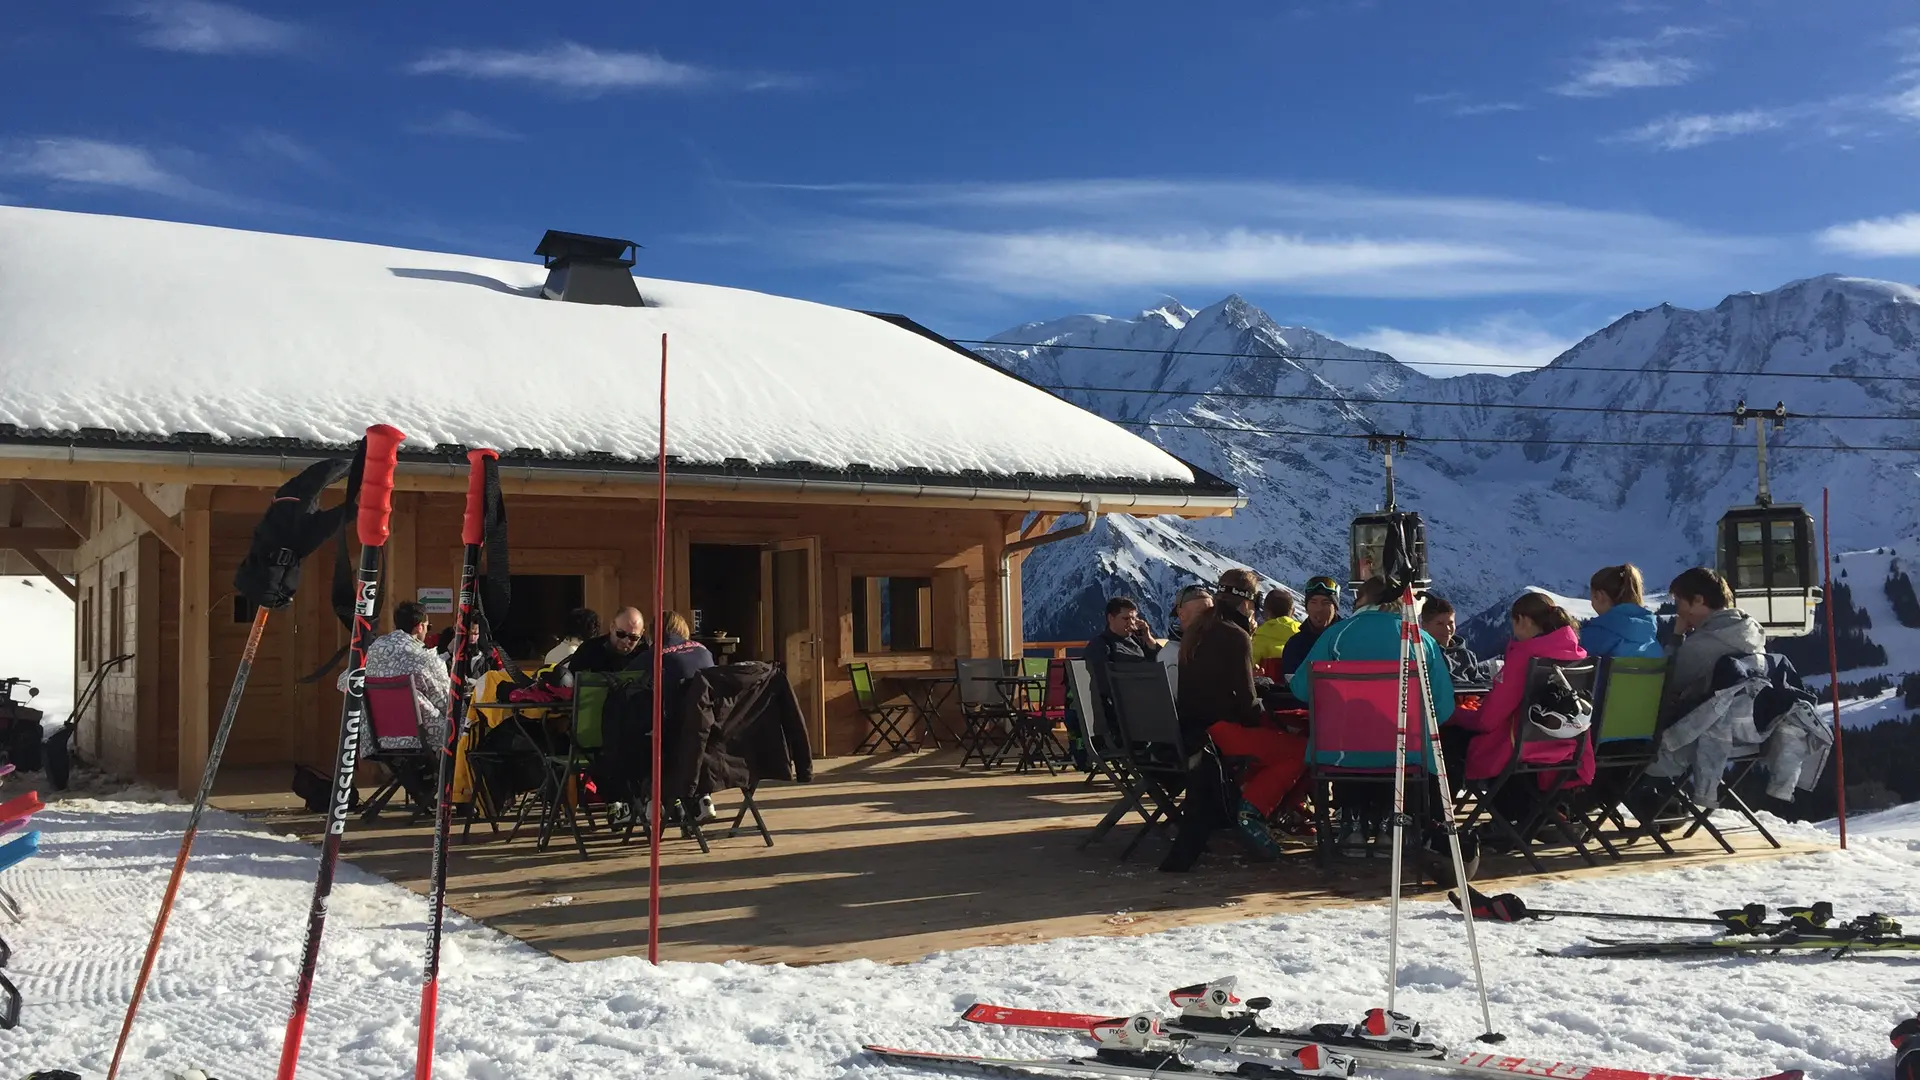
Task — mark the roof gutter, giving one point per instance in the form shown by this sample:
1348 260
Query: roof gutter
1091 512
288 464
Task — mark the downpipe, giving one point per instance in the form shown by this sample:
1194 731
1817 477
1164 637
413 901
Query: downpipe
1091 517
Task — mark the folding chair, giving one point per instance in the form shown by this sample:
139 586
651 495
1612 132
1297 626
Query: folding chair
1677 796
1626 712
690 826
566 779
883 720
1038 710
1104 757
1352 734
1156 755
1549 796
401 745
984 708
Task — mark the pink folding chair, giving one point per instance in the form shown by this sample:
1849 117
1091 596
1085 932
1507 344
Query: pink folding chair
1353 723
399 744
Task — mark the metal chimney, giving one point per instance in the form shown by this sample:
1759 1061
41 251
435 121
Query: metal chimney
583 269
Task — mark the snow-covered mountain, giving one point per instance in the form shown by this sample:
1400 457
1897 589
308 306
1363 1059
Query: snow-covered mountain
1504 508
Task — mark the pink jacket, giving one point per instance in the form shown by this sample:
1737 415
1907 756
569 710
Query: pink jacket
1493 722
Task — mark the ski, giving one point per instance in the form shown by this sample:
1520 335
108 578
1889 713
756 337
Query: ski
1133 1046
1387 1040
1748 919
1866 933
375 505
484 514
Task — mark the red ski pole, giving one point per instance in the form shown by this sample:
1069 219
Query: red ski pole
659 640
376 506
1833 669
472 533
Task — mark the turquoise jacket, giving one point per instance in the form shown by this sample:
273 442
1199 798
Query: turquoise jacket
1374 634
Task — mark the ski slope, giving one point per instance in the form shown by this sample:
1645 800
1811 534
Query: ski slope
220 997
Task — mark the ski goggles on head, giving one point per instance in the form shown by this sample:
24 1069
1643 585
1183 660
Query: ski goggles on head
1323 586
1192 592
1238 593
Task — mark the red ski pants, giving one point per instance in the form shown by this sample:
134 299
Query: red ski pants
1279 760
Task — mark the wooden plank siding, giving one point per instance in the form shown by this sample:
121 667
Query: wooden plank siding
187 637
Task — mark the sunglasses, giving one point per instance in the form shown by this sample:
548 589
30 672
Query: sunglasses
624 636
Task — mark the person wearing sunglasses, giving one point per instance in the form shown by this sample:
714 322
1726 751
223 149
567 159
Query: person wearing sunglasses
619 649
1323 610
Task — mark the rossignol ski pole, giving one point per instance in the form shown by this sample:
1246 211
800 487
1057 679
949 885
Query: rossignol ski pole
375 507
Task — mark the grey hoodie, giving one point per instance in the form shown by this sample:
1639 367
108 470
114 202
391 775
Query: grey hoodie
1727 632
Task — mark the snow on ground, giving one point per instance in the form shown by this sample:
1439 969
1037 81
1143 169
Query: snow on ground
36 642
1868 711
220 998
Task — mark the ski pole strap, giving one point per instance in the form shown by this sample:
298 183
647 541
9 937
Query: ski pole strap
497 585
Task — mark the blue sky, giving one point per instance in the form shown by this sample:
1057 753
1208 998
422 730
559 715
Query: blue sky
1467 181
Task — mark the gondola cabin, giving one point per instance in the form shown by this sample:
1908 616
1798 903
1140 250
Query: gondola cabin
1766 554
1367 543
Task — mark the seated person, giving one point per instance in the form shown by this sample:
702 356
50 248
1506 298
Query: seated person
1621 625
1437 619
1323 610
583 624
1190 605
1479 743
404 651
1217 700
1280 625
1372 632
681 658
617 650
1714 629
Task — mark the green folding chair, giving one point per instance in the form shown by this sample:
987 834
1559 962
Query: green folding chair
883 719
1626 713
586 735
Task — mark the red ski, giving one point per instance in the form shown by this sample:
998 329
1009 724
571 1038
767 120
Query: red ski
1329 1035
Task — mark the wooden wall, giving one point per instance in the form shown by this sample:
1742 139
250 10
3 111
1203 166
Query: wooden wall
607 540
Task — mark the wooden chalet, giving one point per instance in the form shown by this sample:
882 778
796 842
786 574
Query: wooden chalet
843 486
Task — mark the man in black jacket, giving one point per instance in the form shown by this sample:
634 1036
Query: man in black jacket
1323 610
618 650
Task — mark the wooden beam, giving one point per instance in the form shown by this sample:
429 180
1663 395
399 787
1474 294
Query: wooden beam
59 579
168 530
67 500
196 574
46 538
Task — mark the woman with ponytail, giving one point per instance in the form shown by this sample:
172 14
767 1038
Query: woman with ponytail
1622 625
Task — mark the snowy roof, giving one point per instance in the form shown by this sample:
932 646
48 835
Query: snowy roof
153 329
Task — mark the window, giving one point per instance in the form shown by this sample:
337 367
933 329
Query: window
117 617
892 614
86 628
537 616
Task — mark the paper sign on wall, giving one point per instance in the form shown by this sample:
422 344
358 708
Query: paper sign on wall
435 601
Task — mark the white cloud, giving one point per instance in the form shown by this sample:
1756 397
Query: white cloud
1685 132
1075 238
93 162
1456 104
1888 237
1500 344
1905 104
201 26
460 124
1633 64
262 143
584 69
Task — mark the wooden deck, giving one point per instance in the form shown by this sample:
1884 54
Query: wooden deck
886 859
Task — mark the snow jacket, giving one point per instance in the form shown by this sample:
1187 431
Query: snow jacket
1727 632
1756 703
1216 680
1270 640
1372 634
400 653
1494 724
737 725
1624 630
1467 668
1301 643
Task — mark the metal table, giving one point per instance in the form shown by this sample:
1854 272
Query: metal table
927 692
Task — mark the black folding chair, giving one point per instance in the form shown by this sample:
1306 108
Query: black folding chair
1543 785
1104 756
1156 756
883 718
690 823
989 719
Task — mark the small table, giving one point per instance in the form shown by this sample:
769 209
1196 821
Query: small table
926 691
1019 692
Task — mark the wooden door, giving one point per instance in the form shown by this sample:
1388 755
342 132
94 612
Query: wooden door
790 625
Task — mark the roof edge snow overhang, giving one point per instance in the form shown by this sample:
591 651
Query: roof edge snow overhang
113 457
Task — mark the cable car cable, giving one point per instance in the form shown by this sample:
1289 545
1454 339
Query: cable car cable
1495 440
1384 358
1518 406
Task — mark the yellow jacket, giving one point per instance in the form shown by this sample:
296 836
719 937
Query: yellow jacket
1271 637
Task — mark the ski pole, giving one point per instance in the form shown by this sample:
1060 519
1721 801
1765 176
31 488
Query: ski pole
1448 825
1750 919
1399 801
214 752
472 534
376 505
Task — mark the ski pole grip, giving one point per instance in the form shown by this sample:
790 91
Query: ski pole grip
473 529
376 483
